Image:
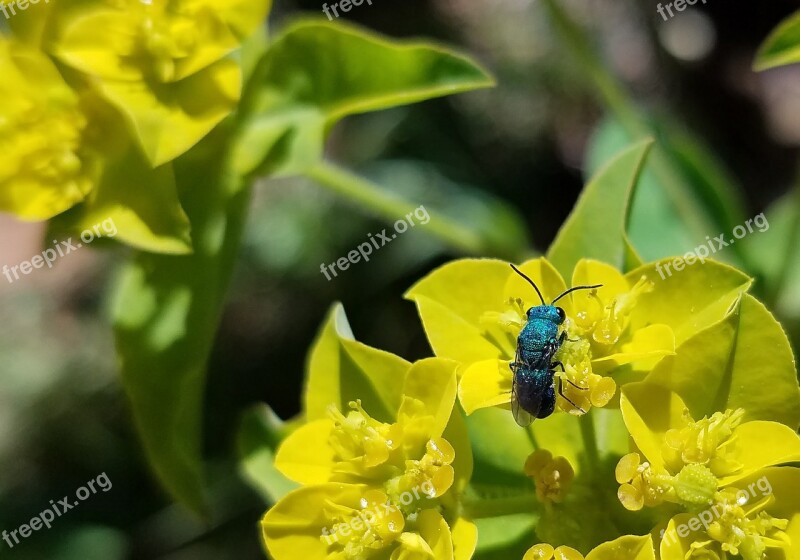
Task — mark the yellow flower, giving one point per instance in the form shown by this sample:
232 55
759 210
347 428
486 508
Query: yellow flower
351 521
403 469
552 475
473 311
547 552
164 65
45 170
717 469
628 547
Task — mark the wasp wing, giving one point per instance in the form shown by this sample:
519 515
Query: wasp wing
521 416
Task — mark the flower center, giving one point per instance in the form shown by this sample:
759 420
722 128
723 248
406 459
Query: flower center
708 441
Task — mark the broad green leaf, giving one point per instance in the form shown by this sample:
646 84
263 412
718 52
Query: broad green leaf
774 249
139 204
166 311
782 47
259 434
656 227
687 300
632 258
500 449
316 73
612 436
596 227
560 434
505 536
744 361
341 370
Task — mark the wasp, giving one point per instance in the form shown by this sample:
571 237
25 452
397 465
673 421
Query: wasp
533 392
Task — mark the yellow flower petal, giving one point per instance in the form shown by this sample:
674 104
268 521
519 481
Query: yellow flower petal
646 347
547 279
434 530
628 547
649 412
44 170
539 552
762 444
484 384
429 394
293 528
168 119
713 286
306 456
465 539
590 272
451 301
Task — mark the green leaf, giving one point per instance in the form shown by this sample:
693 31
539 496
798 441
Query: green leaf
499 450
596 227
632 258
782 47
656 227
774 249
260 433
166 312
316 73
742 361
140 203
341 370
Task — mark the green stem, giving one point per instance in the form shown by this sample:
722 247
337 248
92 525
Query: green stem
589 437
531 437
392 207
497 507
623 108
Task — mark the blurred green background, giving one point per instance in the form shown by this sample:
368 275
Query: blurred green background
510 160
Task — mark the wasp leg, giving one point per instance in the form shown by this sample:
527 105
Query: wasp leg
566 398
557 364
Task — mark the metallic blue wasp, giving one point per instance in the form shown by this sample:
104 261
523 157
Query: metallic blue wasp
533 393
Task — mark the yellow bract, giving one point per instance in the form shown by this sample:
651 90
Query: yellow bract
162 64
45 171
382 484
705 466
474 310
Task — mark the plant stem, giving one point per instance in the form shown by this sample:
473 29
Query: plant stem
496 507
392 207
589 437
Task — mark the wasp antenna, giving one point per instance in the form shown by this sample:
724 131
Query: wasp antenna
575 289
531 282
